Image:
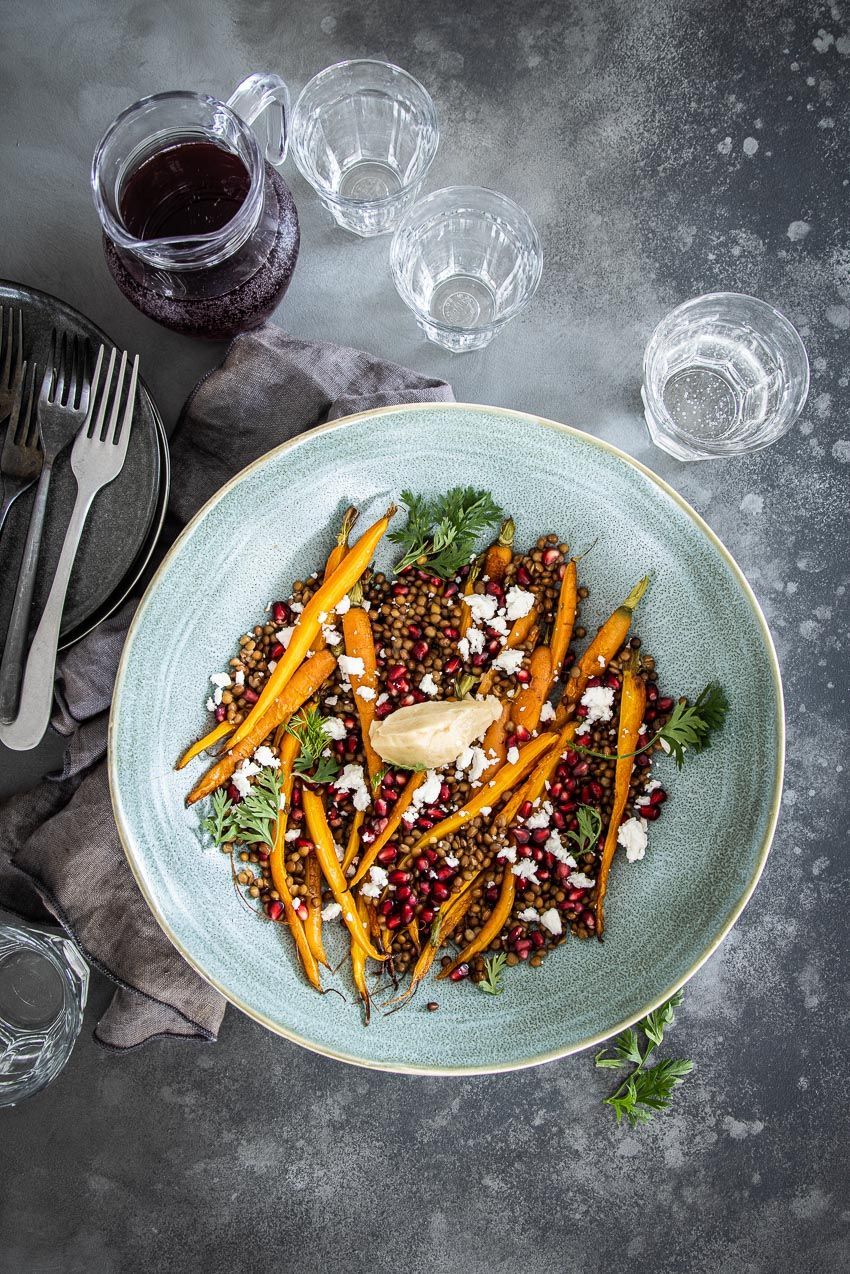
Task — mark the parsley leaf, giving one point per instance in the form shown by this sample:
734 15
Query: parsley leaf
646 1089
443 532
256 816
690 725
221 822
589 828
492 981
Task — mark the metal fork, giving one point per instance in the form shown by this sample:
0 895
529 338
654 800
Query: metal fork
12 345
96 459
62 406
20 459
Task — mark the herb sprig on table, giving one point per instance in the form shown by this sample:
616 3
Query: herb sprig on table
647 1089
442 533
689 726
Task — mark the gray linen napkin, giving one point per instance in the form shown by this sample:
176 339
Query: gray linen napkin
58 844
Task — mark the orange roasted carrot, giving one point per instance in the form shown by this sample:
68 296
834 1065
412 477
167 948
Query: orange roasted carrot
358 961
447 919
632 707
352 849
565 617
526 706
493 925
499 555
539 776
277 867
305 683
503 781
494 744
320 835
313 901
218 732
360 644
604 646
469 587
393 824
323 601
340 549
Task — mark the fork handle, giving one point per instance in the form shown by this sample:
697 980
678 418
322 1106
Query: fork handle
29 726
16 635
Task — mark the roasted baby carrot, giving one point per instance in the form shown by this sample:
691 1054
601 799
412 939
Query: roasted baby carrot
360 644
503 781
313 901
320 835
307 680
604 646
277 867
393 824
340 549
526 707
565 617
353 847
447 920
358 961
499 555
493 925
218 732
542 773
494 744
632 707
323 601
469 587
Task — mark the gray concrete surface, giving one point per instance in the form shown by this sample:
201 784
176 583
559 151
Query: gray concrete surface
664 148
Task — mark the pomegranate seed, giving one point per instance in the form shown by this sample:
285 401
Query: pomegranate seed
398 877
593 681
427 914
492 893
522 676
642 762
413 630
650 714
651 693
351 744
451 633
424 822
537 939
393 922
543 873
569 785
581 711
556 791
296 816
383 710
280 612
664 705
492 589
419 696
540 835
432 856
523 851
387 855
572 759
575 895
582 768
400 590
233 793
334 818
596 790
396 672
514 934
567 807
220 712
274 910
521 835
249 695
658 797
522 576
276 651
420 649
585 793
522 735
523 948
408 911
408 700
537 854
445 873
380 825
451 589
301 911
511 741
588 918
381 807
263 855
650 812
304 842
612 682
525 809
421 863
439 891
338 746
451 666
479 660
404 892
551 556
562 870
445 791
458 974
493 646
386 906
558 820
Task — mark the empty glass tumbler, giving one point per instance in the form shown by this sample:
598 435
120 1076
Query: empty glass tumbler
466 261
723 374
43 987
364 134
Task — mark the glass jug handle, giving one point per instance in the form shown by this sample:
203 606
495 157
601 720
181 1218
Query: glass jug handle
264 99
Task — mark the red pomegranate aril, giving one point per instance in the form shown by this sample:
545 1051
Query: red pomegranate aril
665 704
658 797
386 906
400 590
445 873
274 910
523 851
593 681
612 682
338 746
582 711
419 696
296 796
588 918
525 809
276 651
540 835
581 768
452 666
567 807
349 722
408 911
408 700
521 734
650 812
396 672
651 693
522 577
511 741
575 895
381 807
458 974
558 820
301 911
398 876
556 790
432 856
523 948
492 893
233 793
420 649
551 556
649 715
450 632
493 646
537 939
249 695
393 922
280 612
387 855
439 891
543 873
427 914
451 589
562 870
586 795
334 818
403 893
421 863
572 759
515 934
380 825
569 785
413 630
220 713
424 822
304 842
642 762
522 676
479 660
445 792
296 816
521 835
596 790
383 710
351 744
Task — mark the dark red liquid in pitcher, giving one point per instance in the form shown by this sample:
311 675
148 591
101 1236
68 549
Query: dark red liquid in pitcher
197 188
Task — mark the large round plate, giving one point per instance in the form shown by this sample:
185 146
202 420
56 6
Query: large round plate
275 520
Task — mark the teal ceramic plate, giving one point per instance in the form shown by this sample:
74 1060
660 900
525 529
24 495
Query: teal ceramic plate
665 915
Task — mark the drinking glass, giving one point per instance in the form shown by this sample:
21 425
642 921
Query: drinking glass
723 374
465 260
364 134
43 987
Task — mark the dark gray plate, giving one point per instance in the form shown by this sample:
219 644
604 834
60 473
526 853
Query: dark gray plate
126 518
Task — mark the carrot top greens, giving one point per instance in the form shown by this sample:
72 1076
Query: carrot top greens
690 725
311 764
443 532
646 1089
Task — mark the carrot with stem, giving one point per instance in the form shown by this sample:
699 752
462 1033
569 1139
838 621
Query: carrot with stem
603 648
219 731
353 847
499 555
445 922
320 835
360 644
323 601
393 823
339 550
565 617
313 901
493 925
358 961
526 707
535 784
277 867
632 707
310 676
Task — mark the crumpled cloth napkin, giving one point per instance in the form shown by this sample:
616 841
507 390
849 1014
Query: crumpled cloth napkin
59 848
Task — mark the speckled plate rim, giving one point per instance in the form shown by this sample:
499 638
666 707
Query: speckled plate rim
538 1058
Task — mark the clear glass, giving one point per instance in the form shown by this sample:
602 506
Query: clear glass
364 134
231 278
723 374
43 987
466 261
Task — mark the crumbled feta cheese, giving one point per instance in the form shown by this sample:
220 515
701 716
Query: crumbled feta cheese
339 851
377 882
632 836
481 606
429 791
352 780
242 775
221 679
265 756
513 755
272 665
451 861
366 692
551 920
653 785
343 606
555 847
239 677
331 912
579 880
529 915
296 903
322 616
641 801
509 661
463 648
331 701
499 625
296 607
381 699
351 666
292 834
284 635
541 816
485 810
475 639
367 606
475 765
600 659
211 705
547 712
331 635
334 728
508 853
428 685
599 702
526 869
518 603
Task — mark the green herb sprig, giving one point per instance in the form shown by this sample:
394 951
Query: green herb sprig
648 1089
220 823
251 820
311 764
589 828
443 532
491 983
689 726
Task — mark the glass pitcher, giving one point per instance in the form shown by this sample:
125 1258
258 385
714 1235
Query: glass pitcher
199 229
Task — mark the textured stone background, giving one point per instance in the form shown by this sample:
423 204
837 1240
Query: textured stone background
664 148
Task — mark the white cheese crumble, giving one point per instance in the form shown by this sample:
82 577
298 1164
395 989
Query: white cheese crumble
481 606
351 666
551 920
429 791
242 776
526 869
221 679
211 705
508 853
381 699
451 861
239 677
428 685
499 625
296 607
366 692
599 701
530 914
513 755
474 760
331 912
265 756
463 647
475 638
600 659
518 603
292 834
333 728
509 661
541 816
343 605
547 712
377 882
284 636
555 847
352 780
331 635
272 665
578 880
632 836
332 701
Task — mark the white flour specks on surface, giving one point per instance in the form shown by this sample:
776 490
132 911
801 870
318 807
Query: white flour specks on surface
823 40
798 231
838 316
750 146
739 1129
725 147
841 450
752 503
